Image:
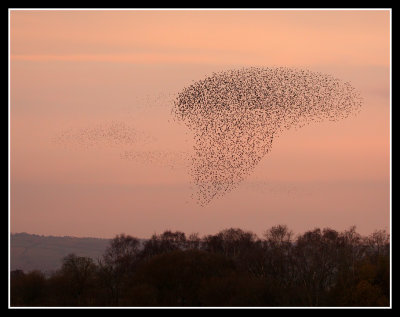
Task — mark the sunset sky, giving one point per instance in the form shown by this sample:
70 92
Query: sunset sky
77 73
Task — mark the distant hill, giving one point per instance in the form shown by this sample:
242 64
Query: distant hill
45 253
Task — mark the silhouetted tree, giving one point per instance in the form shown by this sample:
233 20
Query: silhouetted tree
193 241
118 264
321 267
28 289
166 242
175 278
230 242
316 262
278 250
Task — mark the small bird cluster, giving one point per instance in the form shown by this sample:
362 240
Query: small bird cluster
106 134
151 101
170 159
236 114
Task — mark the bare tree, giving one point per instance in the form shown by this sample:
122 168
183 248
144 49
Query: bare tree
119 262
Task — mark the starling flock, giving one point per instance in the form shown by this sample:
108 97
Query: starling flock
236 114
115 133
170 159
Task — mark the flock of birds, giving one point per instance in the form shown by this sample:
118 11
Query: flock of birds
164 158
114 133
236 114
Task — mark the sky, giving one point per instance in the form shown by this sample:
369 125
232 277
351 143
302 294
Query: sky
80 77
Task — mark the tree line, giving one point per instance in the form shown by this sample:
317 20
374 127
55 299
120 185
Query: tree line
321 267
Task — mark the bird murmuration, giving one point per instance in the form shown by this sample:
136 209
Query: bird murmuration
236 114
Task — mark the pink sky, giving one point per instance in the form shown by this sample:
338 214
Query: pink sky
77 70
